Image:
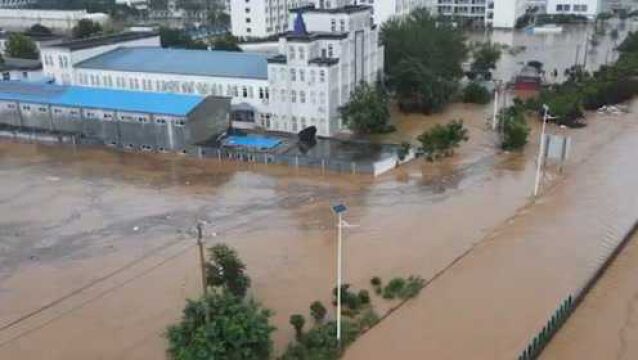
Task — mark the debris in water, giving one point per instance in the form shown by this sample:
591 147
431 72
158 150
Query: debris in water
136 228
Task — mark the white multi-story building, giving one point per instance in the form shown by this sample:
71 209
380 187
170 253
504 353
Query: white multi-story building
494 13
16 4
59 58
322 60
261 18
57 20
308 77
588 8
382 10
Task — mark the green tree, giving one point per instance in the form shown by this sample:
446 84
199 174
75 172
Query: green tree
318 311
175 38
86 28
226 270
221 326
297 321
476 93
367 111
227 43
485 57
38 29
21 46
423 60
441 140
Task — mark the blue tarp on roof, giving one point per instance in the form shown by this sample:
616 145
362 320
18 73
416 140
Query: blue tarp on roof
77 96
181 61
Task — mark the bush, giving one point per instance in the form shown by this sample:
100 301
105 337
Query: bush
320 343
368 319
367 110
412 288
515 129
318 311
221 326
375 281
442 140
476 93
364 297
393 288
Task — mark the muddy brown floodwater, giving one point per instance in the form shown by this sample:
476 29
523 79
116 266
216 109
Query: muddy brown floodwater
97 247
604 326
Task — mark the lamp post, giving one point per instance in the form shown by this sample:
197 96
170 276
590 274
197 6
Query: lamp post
339 210
541 150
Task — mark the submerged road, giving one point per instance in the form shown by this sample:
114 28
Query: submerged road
492 302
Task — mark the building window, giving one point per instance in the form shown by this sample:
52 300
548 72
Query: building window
293 75
293 96
333 25
302 54
302 75
322 76
302 97
244 92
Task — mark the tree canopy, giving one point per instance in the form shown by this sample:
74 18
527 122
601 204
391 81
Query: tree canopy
175 38
367 111
21 46
423 60
227 43
227 271
86 28
38 29
441 140
221 326
485 55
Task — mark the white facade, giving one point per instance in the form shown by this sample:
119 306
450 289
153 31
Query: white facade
309 76
261 18
57 20
15 4
317 72
381 9
589 8
495 13
58 59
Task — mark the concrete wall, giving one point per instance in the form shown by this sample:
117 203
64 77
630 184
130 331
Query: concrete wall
57 20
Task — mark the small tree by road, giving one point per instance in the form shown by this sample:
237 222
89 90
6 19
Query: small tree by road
221 326
86 28
226 271
441 140
21 46
486 55
367 111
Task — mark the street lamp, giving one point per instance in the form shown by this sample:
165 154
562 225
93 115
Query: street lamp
339 210
541 150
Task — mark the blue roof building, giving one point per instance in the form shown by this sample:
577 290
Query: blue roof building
97 98
227 64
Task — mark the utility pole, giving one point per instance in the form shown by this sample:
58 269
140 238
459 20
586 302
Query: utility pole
202 262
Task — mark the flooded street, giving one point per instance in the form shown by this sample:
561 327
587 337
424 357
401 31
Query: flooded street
604 324
98 252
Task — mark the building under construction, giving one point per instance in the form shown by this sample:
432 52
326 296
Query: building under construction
125 119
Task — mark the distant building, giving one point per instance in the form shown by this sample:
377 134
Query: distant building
261 18
16 4
21 69
493 13
141 5
588 8
56 20
123 119
59 58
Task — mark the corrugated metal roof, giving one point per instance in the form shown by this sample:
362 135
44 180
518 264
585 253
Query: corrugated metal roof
77 96
181 61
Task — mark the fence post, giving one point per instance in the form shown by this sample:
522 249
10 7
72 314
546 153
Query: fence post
353 165
297 161
219 155
323 166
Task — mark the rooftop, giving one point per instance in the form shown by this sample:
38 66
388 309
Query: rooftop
348 9
77 96
79 44
181 61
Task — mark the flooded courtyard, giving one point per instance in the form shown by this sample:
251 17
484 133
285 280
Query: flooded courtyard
97 248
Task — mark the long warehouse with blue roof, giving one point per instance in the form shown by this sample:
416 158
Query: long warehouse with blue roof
128 119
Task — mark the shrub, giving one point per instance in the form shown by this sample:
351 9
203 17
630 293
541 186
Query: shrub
393 288
368 319
320 343
375 281
318 311
476 93
442 140
515 129
364 297
412 288
221 326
